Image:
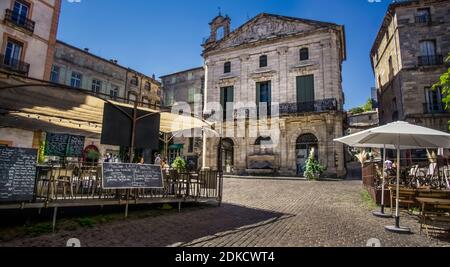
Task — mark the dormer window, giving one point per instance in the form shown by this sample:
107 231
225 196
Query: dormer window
263 61
227 67
304 54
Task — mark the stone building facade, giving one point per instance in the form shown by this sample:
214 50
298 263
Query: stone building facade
290 64
28 31
407 59
362 121
80 68
184 90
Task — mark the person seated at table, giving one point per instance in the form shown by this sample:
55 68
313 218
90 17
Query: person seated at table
158 159
164 166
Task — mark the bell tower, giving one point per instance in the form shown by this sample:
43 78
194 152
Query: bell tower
220 28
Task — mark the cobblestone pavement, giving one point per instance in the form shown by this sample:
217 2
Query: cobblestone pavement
256 213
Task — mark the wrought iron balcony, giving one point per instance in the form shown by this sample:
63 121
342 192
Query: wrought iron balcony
14 65
434 108
423 19
19 20
323 105
431 60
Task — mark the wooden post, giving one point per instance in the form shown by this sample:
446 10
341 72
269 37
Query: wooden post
126 205
220 171
55 211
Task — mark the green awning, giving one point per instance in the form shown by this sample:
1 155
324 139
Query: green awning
176 146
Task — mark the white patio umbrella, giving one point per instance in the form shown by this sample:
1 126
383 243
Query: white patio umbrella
398 135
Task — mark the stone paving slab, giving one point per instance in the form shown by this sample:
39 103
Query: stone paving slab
257 213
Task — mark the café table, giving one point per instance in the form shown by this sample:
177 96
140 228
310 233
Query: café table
427 202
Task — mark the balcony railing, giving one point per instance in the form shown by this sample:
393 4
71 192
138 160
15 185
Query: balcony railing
20 21
423 19
14 65
323 105
431 60
434 108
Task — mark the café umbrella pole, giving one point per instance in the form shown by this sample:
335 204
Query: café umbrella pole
381 213
396 228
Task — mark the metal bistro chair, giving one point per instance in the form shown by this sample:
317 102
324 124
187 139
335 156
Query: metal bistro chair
173 179
207 180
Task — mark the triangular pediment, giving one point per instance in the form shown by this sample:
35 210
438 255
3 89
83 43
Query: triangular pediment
267 26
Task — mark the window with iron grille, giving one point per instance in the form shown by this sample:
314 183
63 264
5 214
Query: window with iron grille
20 12
13 53
423 15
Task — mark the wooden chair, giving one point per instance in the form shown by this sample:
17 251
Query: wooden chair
407 197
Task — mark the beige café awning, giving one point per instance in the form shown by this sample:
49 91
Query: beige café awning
34 105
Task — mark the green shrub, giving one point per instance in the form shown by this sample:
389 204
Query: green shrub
39 229
179 164
313 168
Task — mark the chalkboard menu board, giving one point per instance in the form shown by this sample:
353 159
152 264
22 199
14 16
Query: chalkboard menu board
127 175
64 145
17 174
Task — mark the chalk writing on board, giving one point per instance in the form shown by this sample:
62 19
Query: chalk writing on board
17 174
127 175
64 145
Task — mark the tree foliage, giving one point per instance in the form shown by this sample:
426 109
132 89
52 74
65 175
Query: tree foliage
444 84
368 106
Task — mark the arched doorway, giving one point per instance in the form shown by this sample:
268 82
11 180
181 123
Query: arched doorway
227 155
303 147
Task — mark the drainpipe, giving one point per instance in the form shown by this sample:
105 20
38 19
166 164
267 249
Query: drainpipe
126 86
205 97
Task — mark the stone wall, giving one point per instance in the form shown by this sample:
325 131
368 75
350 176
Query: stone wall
16 137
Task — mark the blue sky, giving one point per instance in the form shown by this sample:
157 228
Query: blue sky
164 36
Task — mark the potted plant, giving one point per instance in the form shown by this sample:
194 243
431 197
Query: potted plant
92 156
313 169
179 164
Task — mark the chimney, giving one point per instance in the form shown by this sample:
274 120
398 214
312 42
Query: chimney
86 50
153 76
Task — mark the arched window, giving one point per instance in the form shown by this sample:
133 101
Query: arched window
264 145
263 61
227 67
263 141
304 54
